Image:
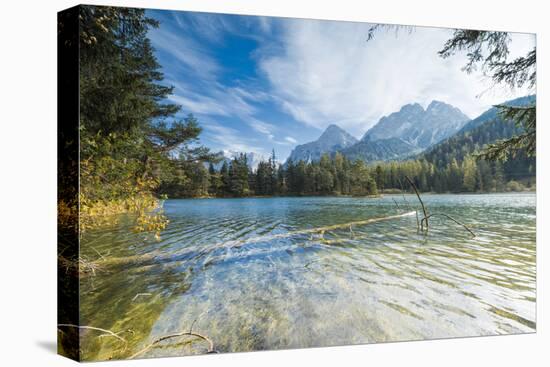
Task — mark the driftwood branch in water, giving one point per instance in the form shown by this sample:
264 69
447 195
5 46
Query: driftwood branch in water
183 333
451 218
396 205
421 203
105 331
158 256
428 216
149 346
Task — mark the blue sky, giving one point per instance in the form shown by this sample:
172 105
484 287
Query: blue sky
262 83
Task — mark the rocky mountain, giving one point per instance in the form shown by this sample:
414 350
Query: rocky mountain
332 140
399 135
380 150
418 127
408 131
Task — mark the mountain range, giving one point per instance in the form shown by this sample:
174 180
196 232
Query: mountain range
404 133
332 140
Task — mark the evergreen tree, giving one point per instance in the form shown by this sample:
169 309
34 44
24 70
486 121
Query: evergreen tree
362 182
238 176
498 177
470 172
226 179
216 183
379 177
490 50
281 180
273 173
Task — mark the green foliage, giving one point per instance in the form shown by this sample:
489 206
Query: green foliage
477 138
362 183
514 186
119 75
490 50
525 119
329 176
130 144
238 176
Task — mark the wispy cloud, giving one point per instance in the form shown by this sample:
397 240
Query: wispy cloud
201 91
260 126
328 73
253 81
230 139
191 55
200 104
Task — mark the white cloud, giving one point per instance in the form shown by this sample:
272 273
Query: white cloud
189 53
230 139
199 104
265 24
291 140
260 126
206 95
328 73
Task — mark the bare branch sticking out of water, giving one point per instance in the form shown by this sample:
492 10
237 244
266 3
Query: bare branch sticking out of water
428 216
451 218
183 333
149 346
421 203
104 331
395 202
81 266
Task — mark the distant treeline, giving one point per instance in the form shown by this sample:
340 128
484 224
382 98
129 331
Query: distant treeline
338 175
236 179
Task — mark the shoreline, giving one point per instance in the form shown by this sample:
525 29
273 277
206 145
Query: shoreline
428 193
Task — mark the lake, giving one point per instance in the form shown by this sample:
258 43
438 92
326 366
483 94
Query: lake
228 269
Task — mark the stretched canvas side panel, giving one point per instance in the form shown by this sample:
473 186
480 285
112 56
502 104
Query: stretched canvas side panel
68 183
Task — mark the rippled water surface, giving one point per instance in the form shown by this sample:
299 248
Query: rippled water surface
226 269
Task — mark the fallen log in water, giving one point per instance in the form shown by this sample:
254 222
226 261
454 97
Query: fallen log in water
159 256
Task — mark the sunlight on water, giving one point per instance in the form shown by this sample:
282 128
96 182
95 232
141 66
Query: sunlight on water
381 282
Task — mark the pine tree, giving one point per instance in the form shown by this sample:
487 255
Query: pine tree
498 177
469 169
380 179
273 173
226 179
491 50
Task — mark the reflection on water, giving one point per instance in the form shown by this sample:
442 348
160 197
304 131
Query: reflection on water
383 282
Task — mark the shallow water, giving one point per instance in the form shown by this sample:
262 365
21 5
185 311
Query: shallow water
223 273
